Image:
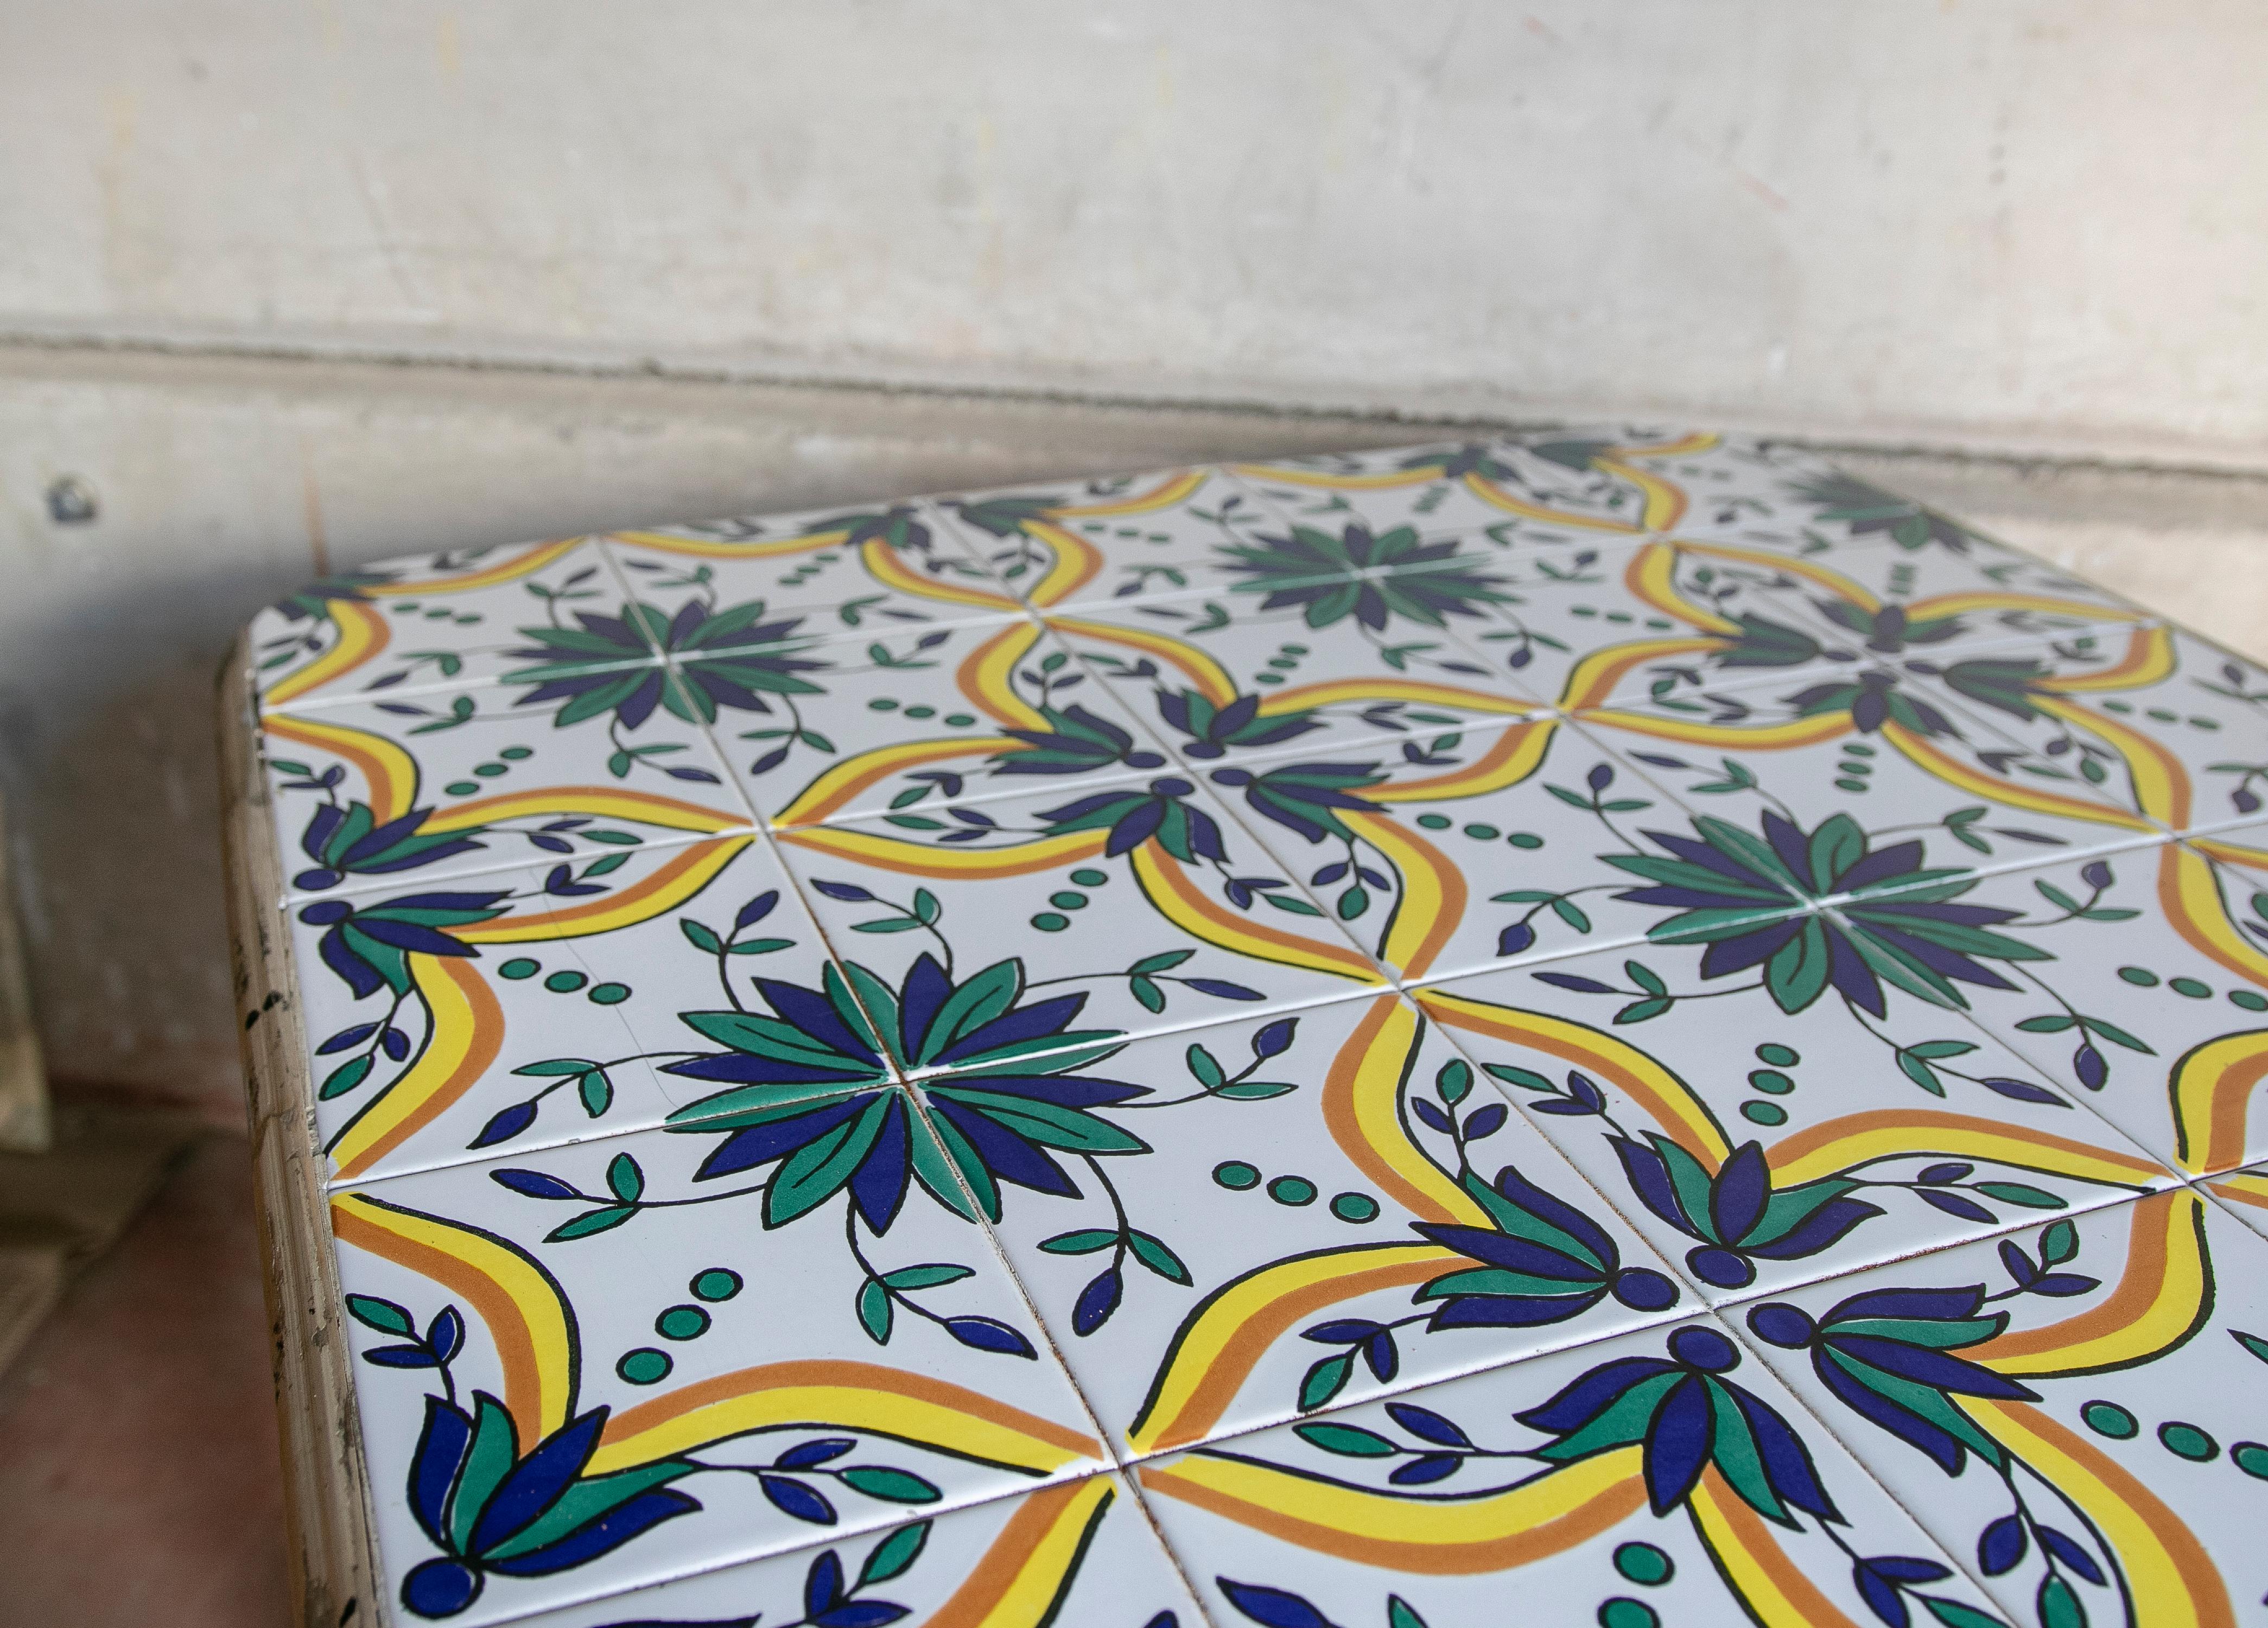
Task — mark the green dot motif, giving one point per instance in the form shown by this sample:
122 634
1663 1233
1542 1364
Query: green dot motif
719 1283
1763 1113
1355 1207
681 1322
1777 1056
1435 823
1236 1176
1644 1564
520 967
1623 1612
2108 1418
2250 1457
1090 878
566 982
609 994
2187 1441
645 1366
1291 1190
1048 921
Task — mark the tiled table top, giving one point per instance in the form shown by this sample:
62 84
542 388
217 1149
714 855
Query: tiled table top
1601 1028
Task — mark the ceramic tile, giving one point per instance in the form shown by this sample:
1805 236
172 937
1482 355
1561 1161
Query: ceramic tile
2153 718
442 620
1077 1551
1235 1226
674 1351
1868 748
373 794
1228 679
1669 621
1776 497
1883 597
1190 922
1475 846
531 1006
861 572
1588 1486
1169 532
2075 1413
1606 486
1650 864
1780 1106
2144 993
970 712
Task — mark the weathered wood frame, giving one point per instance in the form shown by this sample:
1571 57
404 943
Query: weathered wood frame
330 1535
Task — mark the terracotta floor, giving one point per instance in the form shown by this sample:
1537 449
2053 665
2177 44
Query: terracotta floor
138 1445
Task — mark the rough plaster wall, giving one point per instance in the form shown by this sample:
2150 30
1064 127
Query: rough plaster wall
2020 222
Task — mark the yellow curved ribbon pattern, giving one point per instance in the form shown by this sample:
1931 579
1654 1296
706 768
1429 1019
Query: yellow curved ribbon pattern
2163 1295
1433 1537
465 1031
530 1328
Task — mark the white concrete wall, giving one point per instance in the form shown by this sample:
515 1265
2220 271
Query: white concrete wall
2036 222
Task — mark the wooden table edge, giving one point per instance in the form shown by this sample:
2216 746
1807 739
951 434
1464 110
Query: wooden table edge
329 1532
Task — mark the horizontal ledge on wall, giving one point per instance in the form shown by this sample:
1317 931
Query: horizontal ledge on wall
1447 407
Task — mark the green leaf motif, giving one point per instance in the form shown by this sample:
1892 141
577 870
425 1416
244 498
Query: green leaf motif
596 1091
387 1318
1401 1614
928 1275
875 1312
1154 1254
894 1554
345 1077
1325 1381
624 1179
898 1486
703 939
1086 1240
591 1221
2018 1193
1346 1441
1206 1067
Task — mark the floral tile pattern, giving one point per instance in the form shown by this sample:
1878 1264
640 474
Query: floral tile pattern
1663 1476
1608 1022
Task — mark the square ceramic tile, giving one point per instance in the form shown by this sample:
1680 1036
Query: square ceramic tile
1075 1551
2075 1413
526 1007
1870 747
1140 905
444 620
439 783
1883 597
1478 845
1665 1476
1782 498
969 712
1343 676
2155 719
1602 485
1665 620
588 1368
1235 1226
1780 1106
2145 993
861 570
1170 532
